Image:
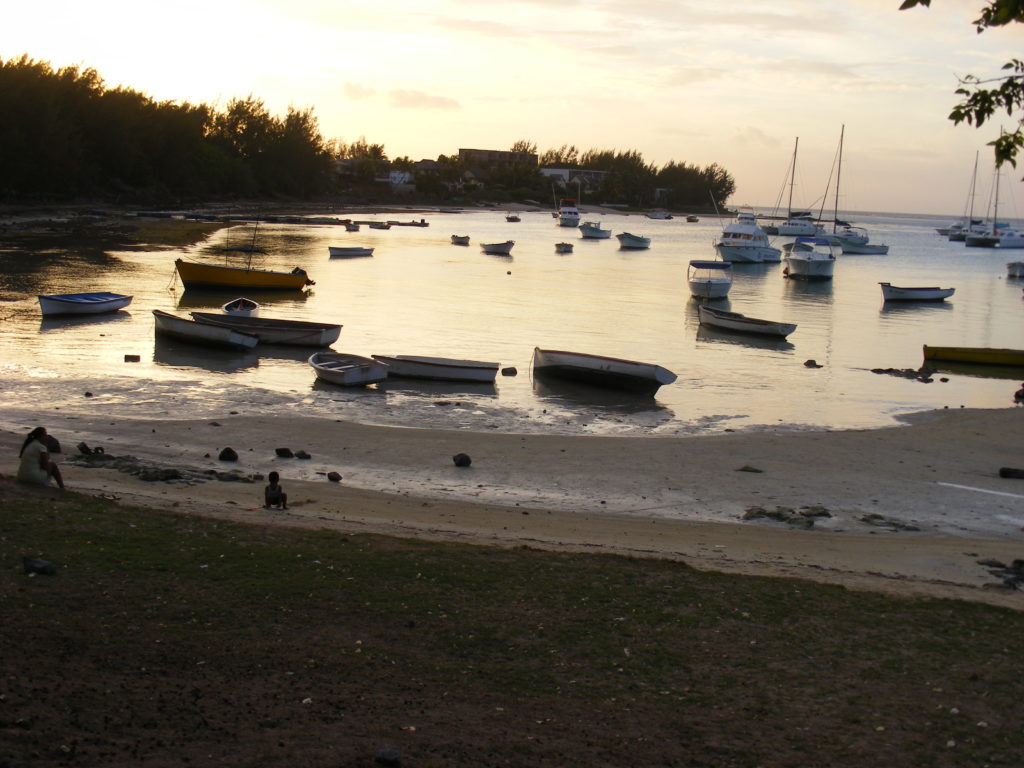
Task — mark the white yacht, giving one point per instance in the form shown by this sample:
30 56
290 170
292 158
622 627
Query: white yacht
568 213
810 258
743 241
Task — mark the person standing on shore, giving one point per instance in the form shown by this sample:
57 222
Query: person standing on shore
36 466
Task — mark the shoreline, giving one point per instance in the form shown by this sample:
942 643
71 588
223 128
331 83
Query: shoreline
680 498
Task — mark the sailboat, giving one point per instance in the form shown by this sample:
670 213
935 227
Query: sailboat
989 237
851 239
958 232
797 224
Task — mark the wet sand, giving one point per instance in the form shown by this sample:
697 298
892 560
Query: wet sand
676 498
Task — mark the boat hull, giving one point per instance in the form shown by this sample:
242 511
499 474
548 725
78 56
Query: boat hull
339 252
979 355
749 254
439 368
347 370
272 331
498 249
460 239
733 321
867 249
895 293
216 276
633 242
598 370
241 307
590 230
167 324
82 303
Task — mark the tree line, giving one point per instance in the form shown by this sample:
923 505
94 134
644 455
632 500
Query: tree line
66 135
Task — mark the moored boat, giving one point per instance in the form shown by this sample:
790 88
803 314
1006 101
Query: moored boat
498 249
512 218
420 223
591 230
241 307
82 303
809 258
743 241
274 331
378 225
1015 269
347 370
600 370
439 368
563 247
734 321
631 241
1010 238
194 274
568 213
460 239
342 252
167 324
978 355
915 293
351 227
709 279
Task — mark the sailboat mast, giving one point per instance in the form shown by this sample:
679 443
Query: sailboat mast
974 182
839 173
792 180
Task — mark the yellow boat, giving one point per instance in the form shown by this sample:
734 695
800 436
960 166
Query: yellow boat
980 355
216 276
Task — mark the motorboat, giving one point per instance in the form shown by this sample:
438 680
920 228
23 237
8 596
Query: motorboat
800 227
734 321
241 307
563 247
603 371
460 239
82 303
809 258
931 293
635 242
341 252
166 324
591 230
856 241
744 242
217 276
709 279
347 370
1010 238
439 368
1015 269
498 249
568 213
378 225
351 226
275 331
976 355
512 218
865 249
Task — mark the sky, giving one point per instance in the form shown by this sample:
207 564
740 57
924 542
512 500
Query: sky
695 81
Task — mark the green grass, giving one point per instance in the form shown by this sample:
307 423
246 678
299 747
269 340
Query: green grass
165 634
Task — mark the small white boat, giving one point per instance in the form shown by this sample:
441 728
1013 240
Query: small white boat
342 252
498 249
1015 269
591 230
855 240
931 293
241 307
351 227
800 227
809 258
347 370
568 213
274 331
460 239
167 324
629 240
439 368
1010 238
603 371
864 249
743 241
709 279
82 303
563 247
733 321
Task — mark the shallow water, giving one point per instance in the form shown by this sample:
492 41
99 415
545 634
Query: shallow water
419 294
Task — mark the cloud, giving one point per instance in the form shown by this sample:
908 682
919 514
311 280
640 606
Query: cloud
691 75
357 92
420 100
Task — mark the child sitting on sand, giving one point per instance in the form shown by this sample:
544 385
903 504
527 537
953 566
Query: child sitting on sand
273 494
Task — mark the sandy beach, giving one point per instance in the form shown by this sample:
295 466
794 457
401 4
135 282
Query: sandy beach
910 510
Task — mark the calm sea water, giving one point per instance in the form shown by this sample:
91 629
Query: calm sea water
421 295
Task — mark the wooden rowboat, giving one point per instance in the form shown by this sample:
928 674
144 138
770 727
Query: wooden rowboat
498 249
602 371
241 307
439 368
347 370
274 331
931 293
979 355
167 324
734 321
82 303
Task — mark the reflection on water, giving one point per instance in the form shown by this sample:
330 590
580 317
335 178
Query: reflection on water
723 336
214 300
64 322
181 354
429 388
574 394
908 307
1011 372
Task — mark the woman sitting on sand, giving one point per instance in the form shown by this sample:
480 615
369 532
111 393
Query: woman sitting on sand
35 466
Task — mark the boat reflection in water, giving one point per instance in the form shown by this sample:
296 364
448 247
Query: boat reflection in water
180 354
64 322
721 336
432 388
214 300
604 401
977 370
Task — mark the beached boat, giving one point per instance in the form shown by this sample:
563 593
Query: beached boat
591 230
347 370
568 213
241 307
734 321
743 241
978 355
709 279
460 239
273 331
563 247
439 368
931 293
809 258
167 324
82 303
636 242
603 371
342 252
498 249
217 276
